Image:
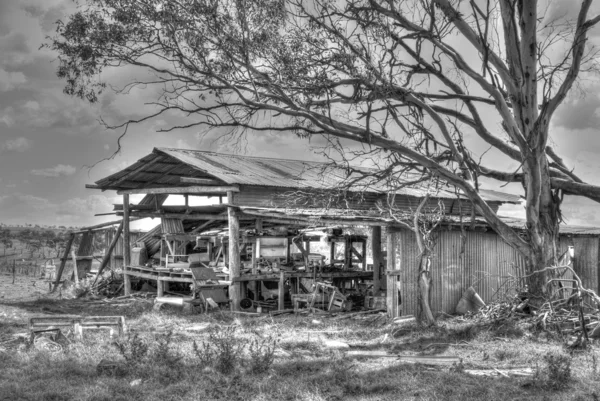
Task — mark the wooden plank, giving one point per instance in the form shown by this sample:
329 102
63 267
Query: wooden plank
377 258
281 296
234 254
109 252
126 244
392 290
356 274
183 216
103 225
63 261
181 190
200 181
75 268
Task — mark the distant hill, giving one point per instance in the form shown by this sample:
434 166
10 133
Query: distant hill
15 230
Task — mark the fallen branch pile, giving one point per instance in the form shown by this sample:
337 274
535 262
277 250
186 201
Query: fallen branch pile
571 309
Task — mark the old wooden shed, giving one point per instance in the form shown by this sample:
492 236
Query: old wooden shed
253 192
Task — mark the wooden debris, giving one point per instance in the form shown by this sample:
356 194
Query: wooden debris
355 314
370 354
335 344
430 359
404 320
421 359
510 372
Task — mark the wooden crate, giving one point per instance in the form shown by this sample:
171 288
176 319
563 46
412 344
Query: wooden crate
372 302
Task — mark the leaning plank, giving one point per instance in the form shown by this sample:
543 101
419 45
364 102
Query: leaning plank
109 251
181 190
63 261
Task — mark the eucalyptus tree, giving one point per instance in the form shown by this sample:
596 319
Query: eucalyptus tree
410 84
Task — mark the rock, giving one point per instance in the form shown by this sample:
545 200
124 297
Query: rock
315 321
135 382
334 344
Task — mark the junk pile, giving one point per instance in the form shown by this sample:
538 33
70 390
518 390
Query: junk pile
568 316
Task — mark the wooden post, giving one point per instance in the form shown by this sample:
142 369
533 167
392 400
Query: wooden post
235 293
75 271
332 252
109 251
255 253
61 268
377 259
281 305
126 246
392 277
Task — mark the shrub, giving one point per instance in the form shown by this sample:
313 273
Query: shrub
262 353
163 354
224 352
134 350
556 373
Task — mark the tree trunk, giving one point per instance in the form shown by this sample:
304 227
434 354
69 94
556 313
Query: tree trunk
424 283
543 230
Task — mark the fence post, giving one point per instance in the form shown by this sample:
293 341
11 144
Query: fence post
14 260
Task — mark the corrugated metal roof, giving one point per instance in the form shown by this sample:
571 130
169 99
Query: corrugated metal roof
270 172
164 166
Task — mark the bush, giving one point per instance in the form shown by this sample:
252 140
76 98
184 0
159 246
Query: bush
162 353
224 351
134 350
262 353
556 373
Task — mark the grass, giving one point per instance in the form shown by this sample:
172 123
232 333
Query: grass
302 368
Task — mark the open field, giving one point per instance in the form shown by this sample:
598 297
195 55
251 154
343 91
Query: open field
308 362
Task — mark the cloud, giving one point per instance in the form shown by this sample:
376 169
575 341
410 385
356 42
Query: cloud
60 170
86 206
20 144
579 113
35 202
11 80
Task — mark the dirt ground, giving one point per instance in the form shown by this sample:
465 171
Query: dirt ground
24 288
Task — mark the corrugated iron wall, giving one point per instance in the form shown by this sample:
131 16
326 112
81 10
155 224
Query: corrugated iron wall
484 261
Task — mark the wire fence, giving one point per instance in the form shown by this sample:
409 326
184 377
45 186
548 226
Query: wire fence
31 268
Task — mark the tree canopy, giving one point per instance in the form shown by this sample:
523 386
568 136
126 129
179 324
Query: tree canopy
413 83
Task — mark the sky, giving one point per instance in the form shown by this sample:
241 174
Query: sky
48 140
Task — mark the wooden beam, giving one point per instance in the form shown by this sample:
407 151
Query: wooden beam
137 170
305 220
109 251
202 226
180 190
61 268
182 216
377 258
126 245
200 181
103 225
234 254
281 295
392 280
